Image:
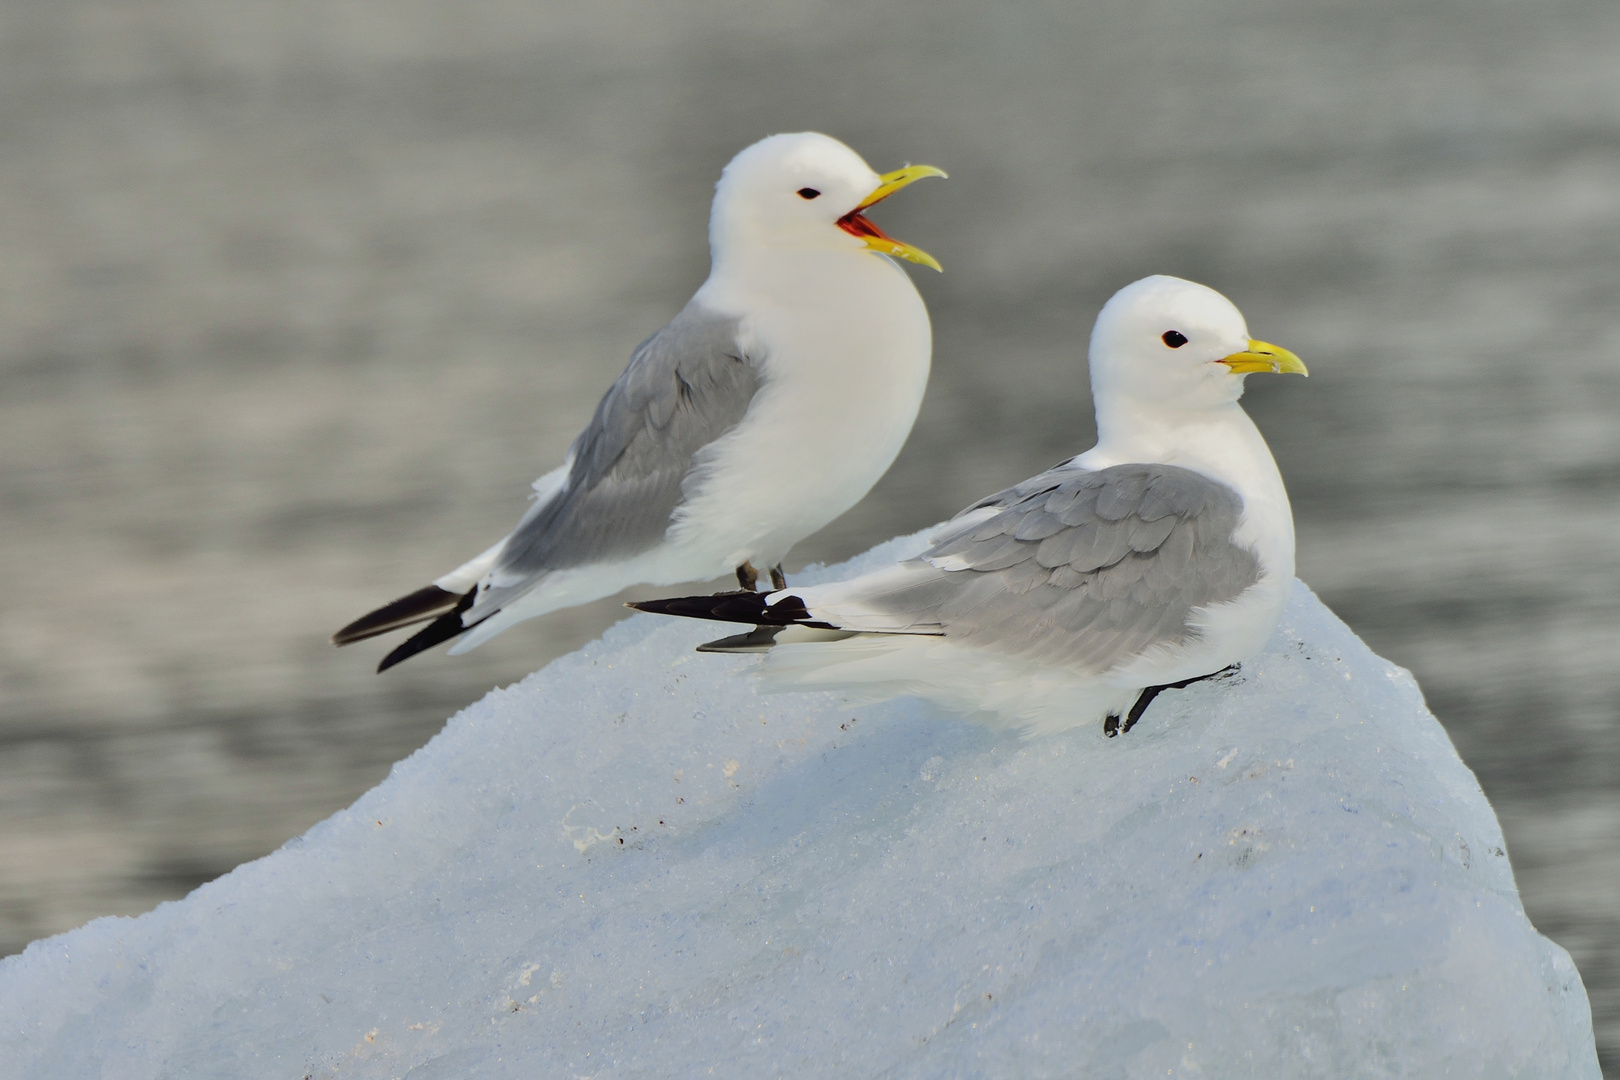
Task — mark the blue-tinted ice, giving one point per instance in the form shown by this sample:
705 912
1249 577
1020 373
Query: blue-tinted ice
633 865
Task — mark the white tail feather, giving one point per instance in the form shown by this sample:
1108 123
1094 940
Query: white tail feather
869 667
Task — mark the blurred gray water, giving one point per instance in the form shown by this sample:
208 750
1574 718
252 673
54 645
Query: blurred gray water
296 298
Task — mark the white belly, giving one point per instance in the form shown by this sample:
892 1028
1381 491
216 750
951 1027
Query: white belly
844 373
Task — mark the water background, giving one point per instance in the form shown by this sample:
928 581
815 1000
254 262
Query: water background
296 298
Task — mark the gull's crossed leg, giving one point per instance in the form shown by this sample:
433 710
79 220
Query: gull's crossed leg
1111 725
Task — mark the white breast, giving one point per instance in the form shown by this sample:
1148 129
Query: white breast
845 345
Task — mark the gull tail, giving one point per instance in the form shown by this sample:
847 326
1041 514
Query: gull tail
424 603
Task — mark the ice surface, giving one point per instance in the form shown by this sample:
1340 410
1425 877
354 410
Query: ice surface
633 865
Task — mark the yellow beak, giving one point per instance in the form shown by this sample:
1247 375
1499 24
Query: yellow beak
856 224
1263 357
889 183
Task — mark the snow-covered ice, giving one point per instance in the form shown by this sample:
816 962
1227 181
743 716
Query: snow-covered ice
631 864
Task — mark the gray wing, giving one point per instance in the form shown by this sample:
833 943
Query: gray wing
1085 566
684 387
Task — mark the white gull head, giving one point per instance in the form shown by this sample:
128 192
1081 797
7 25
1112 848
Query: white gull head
805 191
1178 345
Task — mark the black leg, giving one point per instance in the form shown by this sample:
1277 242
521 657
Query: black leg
1143 700
1111 725
778 579
747 576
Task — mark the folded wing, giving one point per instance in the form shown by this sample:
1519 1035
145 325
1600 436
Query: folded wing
1089 567
684 387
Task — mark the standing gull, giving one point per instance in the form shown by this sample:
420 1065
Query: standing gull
1161 556
765 409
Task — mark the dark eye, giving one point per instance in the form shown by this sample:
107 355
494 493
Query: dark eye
808 193
1175 338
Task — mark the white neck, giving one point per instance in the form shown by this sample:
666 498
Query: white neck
841 291
738 260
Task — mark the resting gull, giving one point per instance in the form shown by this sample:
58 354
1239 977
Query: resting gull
765 409
1160 557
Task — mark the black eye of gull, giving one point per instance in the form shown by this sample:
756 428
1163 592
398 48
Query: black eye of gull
1175 338
808 193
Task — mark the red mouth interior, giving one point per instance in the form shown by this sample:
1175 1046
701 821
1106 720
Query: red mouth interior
856 224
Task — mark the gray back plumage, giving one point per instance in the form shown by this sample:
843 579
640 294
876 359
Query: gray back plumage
684 387
1087 567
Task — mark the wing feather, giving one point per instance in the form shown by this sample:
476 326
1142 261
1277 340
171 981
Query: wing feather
1086 566
684 387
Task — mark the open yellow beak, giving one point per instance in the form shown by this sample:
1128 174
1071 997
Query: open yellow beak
1260 356
856 224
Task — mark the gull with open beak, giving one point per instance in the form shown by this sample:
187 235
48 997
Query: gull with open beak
1161 557
766 408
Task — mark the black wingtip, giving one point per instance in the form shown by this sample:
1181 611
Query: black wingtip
737 607
442 629
424 603
741 606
